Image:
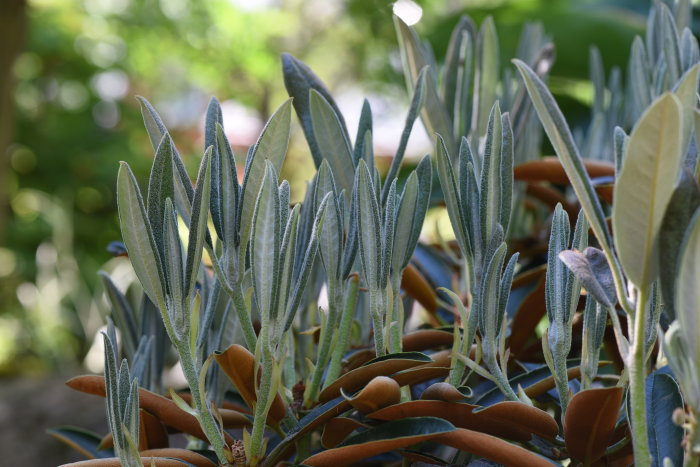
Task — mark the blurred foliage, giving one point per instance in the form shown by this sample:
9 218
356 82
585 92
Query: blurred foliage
84 60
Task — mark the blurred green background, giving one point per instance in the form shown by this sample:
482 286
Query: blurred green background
70 70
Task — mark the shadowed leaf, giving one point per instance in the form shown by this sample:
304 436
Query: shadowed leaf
83 441
590 422
383 438
665 437
337 429
418 288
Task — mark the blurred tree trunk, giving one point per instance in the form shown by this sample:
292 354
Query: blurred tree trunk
13 25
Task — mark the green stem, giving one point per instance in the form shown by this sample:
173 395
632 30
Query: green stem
396 320
263 394
206 419
375 310
346 320
324 349
637 370
238 302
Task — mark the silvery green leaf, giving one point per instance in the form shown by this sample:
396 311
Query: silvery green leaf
671 47
414 58
690 55
620 141
174 267
287 259
364 126
578 242
592 270
369 227
597 75
653 38
198 224
456 80
683 203
184 192
332 141
470 196
485 76
489 186
138 236
425 182
451 194
160 187
680 356
559 134
645 185
504 288
404 224
271 146
213 120
331 236
265 244
416 104
687 300
299 80
506 173
557 273
388 230
301 279
594 321
489 297
227 191
283 191
686 91
122 313
351 242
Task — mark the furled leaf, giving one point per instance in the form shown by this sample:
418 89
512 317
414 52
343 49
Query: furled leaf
384 366
383 438
590 422
592 269
240 366
380 392
645 185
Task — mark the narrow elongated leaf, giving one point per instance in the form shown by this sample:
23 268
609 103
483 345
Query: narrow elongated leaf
198 223
272 146
332 140
490 189
174 267
369 226
560 136
455 208
383 438
416 104
364 126
83 441
299 80
663 396
645 186
485 76
456 81
404 223
184 192
138 236
160 187
265 244
227 189
434 115
213 120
